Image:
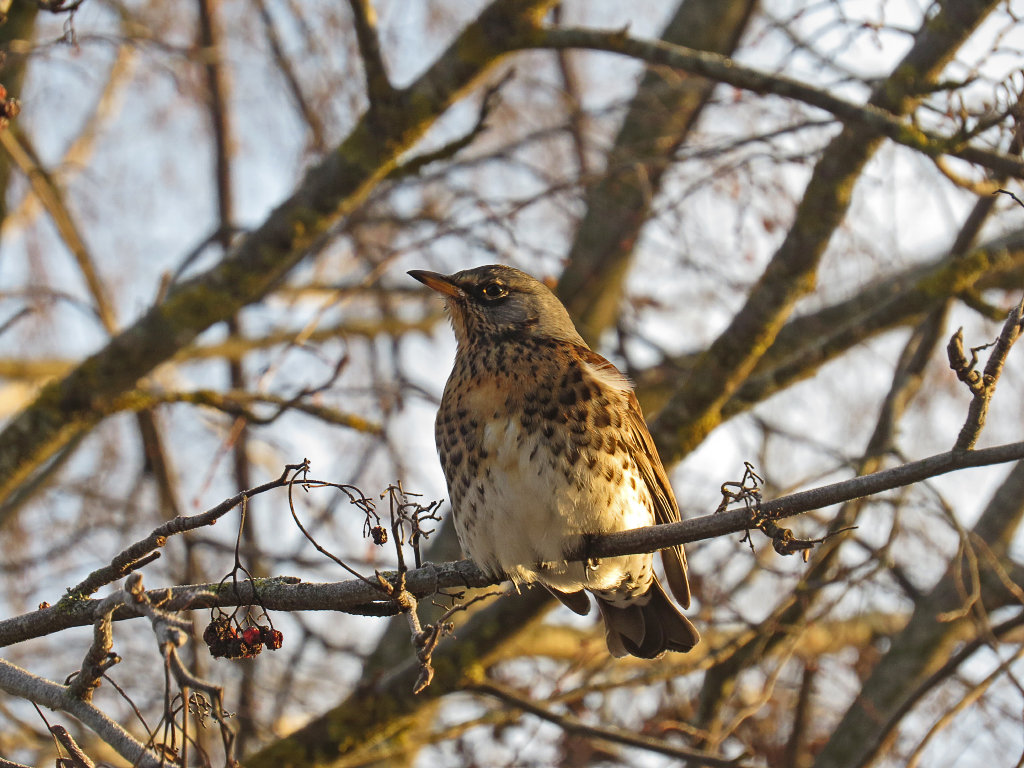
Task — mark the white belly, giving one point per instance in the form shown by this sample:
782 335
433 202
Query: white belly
528 513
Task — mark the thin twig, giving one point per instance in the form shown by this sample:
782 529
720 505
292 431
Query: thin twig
318 138
490 100
724 70
76 756
130 558
171 633
100 656
897 716
615 735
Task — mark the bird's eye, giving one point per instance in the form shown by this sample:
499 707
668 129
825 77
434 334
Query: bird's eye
494 291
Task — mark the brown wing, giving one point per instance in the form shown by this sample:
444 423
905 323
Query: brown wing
666 510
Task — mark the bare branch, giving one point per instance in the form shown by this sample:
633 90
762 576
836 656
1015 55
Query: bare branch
131 558
725 70
51 197
309 114
16 681
78 758
366 596
711 526
983 386
615 735
378 87
171 633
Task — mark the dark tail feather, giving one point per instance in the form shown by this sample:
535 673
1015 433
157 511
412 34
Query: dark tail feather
577 602
647 631
674 560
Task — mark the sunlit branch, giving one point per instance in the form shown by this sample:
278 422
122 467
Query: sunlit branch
22 684
364 597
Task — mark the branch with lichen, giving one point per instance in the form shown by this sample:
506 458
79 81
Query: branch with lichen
366 596
330 190
696 407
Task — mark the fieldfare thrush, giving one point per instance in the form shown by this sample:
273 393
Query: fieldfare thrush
543 445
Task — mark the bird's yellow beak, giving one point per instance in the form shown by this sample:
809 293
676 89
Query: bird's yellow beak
440 283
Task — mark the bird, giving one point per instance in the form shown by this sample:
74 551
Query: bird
544 446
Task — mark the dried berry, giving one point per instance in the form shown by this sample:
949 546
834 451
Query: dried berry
272 638
220 637
379 534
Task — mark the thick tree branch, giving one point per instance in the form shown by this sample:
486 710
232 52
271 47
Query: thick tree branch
806 342
330 190
660 117
696 406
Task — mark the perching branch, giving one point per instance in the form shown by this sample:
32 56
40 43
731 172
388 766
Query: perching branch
365 597
712 526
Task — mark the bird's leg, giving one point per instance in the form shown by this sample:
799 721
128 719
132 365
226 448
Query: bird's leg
577 550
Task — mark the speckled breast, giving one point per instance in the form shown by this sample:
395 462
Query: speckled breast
535 455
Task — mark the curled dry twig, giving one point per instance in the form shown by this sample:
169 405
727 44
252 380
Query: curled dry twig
747 491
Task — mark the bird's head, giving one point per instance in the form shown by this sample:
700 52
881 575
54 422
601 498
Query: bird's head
496 301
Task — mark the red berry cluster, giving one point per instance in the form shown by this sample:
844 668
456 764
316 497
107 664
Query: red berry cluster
9 108
223 639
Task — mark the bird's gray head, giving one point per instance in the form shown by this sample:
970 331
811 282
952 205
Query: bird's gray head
499 301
